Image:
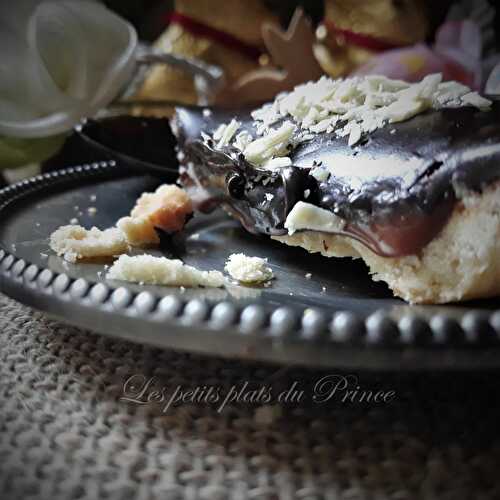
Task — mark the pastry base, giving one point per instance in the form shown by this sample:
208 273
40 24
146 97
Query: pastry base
461 263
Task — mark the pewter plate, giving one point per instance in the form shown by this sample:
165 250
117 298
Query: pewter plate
319 312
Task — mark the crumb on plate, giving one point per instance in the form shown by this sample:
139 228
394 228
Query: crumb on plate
247 269
75 242
152 270
168 208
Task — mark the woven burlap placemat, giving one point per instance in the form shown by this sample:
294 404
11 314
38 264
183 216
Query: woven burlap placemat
84 416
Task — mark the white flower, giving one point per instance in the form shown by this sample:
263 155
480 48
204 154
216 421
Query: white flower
60 61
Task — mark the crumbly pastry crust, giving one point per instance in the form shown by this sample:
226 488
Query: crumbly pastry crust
148 269
246 269
75 243
461 263
167 208
139 231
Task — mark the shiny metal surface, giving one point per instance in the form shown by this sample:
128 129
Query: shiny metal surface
336 317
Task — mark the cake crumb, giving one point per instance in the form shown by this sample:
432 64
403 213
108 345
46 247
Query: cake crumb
139 231
93 197
247 269
168 208
92 210
75 242
147 269
73 221
308 276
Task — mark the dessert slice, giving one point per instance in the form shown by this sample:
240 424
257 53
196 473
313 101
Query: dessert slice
404 176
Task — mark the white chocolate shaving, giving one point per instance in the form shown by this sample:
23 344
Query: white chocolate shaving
268 146
306 216
474 99
279 162
351 107
227 133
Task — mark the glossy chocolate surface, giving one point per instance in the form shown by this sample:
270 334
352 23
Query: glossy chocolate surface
140 144
395 189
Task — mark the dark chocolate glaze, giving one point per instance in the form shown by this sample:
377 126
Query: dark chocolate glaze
395 190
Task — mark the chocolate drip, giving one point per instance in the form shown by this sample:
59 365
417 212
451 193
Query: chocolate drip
260 199
395 191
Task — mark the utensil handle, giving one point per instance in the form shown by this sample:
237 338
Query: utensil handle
207 78
195 67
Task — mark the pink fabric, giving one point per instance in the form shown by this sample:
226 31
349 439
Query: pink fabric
456 54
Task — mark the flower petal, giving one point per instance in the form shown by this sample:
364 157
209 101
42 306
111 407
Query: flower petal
64 61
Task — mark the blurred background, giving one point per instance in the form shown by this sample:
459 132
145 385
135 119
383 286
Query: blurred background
210 52
148 16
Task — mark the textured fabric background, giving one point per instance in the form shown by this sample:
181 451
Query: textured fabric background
65 433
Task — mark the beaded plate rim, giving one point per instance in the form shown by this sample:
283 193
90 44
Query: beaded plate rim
341 339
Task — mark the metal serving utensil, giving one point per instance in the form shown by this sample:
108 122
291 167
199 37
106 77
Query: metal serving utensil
143 144
207 78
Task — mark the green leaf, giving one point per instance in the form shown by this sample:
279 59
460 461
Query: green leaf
16 152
